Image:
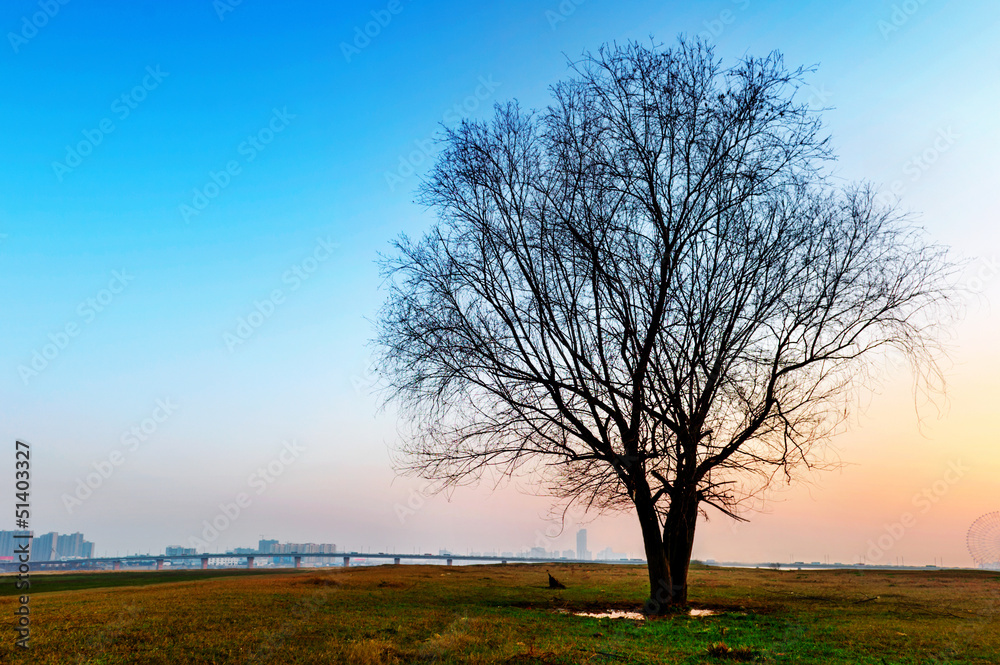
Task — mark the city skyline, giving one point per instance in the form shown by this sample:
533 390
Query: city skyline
49 546
54 547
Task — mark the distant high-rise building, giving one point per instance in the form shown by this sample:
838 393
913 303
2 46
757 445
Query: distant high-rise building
6 545
43 548
582 552
276 547
608 554
51 546
69 545
181 551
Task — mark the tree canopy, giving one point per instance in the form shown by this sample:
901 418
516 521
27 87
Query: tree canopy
652 294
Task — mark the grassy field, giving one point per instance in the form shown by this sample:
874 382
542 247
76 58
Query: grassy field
505 614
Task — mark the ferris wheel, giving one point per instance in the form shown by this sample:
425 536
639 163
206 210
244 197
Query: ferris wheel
984 541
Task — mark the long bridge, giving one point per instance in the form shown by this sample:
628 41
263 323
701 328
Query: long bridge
159 560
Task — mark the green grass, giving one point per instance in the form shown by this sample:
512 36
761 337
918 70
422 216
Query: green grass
506 614
49 582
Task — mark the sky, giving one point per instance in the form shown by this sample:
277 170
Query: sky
194 195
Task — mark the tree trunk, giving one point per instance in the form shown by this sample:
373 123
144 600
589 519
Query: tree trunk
678 539
659 600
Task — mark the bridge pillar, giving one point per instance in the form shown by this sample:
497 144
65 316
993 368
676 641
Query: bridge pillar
298 562
159 564
449 562
249 562
347 561
396 561
117 565
204 563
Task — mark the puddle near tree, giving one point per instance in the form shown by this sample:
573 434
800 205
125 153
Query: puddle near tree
638 616
612 614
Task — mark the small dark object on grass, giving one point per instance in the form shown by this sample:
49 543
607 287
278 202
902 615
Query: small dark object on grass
721 650
554 583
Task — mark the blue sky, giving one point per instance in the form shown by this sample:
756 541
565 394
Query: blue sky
290 143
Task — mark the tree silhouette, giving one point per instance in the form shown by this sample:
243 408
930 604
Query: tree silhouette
651 294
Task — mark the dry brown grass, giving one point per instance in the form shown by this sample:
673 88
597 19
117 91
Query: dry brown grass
506 614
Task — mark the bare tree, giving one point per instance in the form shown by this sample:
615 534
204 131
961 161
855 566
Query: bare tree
650 294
